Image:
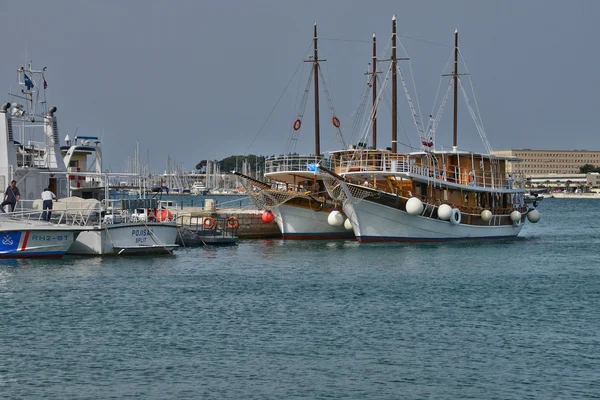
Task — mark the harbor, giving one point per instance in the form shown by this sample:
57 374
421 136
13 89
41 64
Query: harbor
299 200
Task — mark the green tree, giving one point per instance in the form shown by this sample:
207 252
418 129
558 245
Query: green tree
588 168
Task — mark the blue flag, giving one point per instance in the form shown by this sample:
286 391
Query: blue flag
28 82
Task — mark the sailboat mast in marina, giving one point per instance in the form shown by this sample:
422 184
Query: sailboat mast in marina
429 195
295 192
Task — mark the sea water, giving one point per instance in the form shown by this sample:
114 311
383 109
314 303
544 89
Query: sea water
511 319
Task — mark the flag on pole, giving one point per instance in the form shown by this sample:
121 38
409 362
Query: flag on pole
45 83
28 82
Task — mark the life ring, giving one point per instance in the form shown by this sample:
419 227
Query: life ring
297 124
232 222
208 223
336 122
455 217
471 178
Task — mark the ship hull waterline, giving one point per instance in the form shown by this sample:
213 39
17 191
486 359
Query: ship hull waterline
298 223
373 222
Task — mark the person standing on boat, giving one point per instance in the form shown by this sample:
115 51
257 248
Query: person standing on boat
11 196
48 197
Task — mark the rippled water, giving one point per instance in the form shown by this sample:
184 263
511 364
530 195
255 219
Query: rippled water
514 319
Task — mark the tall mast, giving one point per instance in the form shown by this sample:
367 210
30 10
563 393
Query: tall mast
316 78
394 90
455 78
374 91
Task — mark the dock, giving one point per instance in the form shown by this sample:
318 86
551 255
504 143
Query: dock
251 225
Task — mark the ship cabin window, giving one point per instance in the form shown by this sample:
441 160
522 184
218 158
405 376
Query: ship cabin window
74 163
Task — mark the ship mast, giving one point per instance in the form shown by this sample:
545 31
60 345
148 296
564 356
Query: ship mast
455 78
374 91
316 79
394 90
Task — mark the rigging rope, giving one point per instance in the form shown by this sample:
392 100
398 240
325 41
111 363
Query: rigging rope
278 100
293 138
339 135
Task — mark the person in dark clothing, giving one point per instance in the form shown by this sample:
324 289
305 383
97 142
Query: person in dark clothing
47 197
11 196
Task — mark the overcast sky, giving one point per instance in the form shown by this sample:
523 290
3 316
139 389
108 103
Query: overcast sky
197 79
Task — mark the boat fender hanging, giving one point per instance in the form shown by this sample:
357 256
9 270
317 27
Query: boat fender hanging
533 216
348 224
444 212
335 121
297 124
455 217
232 222
208 223
335 218
268 216
515 217
486 215
414 206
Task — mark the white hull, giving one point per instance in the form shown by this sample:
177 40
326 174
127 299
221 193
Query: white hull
302 223
126 239
374 222
32 240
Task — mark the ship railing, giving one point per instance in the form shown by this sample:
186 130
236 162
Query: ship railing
461 175
295 163
210 226
66 212
371 162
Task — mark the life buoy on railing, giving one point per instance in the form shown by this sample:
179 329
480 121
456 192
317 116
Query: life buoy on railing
471 178
233 223
297 124
208 223
335 121
455 217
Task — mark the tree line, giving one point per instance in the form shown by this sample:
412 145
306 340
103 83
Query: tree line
588 168
234 163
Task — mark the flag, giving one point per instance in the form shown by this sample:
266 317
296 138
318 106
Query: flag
45 83
28 83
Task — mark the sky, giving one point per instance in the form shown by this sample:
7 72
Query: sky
195 79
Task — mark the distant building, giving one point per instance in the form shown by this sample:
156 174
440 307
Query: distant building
593 180
541 163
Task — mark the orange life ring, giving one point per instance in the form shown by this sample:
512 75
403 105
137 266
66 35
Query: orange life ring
208 223
232 222
336 122
297 124
164 215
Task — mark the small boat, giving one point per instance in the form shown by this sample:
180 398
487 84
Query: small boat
198 189
120 227
201 231
24 235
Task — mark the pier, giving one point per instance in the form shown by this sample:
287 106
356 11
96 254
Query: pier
250 220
